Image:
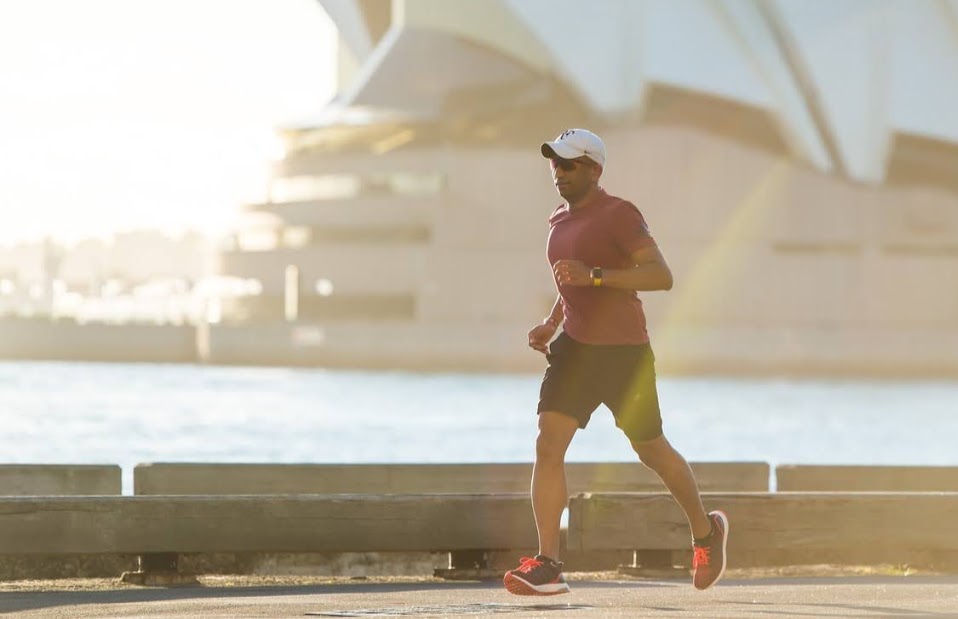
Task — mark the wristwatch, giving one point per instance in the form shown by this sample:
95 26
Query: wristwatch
596 276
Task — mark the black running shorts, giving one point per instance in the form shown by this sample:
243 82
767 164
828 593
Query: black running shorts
580 377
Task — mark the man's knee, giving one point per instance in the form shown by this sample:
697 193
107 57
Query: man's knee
653 453
549 447
555 434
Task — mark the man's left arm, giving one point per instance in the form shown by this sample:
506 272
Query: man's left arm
649 272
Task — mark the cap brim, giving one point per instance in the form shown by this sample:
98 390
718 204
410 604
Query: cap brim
560 150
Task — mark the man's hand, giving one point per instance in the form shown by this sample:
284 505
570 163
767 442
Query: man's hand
572 273
540 335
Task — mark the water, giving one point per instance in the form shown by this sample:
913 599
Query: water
131 413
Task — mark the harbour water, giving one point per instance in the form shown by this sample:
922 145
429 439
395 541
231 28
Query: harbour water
126 414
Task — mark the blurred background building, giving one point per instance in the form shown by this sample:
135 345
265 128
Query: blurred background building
797 161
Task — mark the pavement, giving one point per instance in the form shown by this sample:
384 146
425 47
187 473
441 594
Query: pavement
911 597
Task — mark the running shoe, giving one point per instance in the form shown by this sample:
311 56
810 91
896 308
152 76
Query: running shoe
708 562
537 575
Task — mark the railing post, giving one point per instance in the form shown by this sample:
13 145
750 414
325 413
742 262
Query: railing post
468 565
159 569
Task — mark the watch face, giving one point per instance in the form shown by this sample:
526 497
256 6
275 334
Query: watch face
596 276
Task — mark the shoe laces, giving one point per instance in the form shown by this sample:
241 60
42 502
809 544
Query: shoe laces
527 564
702 557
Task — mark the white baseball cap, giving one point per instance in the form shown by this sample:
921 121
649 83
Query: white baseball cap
574 143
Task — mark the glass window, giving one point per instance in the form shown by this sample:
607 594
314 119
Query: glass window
297 236
415 184
307 188
257 239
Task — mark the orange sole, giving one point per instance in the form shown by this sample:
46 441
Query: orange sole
517 587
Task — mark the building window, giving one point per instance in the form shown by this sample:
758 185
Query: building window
405 184
256 239
296 237
308 188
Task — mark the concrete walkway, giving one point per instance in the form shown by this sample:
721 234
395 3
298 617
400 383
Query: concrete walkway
874 596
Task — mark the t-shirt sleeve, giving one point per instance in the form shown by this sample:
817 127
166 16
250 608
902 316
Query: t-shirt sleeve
630 230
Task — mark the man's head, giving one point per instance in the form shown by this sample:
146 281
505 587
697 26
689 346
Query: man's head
576 143
577 157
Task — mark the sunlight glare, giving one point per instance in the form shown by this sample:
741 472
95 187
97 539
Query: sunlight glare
121 115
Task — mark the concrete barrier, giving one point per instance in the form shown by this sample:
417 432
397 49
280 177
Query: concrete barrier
228 478
782 528
59 479
386 479
304 523
855 478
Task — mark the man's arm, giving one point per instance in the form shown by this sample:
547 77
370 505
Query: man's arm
650 272
555 316
541 334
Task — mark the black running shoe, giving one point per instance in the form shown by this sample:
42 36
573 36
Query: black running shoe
536 576
709 559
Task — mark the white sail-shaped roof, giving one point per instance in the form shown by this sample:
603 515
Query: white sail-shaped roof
837 80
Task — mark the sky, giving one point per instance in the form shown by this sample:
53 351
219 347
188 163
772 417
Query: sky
127 114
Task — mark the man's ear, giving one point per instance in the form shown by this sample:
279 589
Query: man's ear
597 173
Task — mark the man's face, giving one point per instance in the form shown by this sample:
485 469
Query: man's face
573 177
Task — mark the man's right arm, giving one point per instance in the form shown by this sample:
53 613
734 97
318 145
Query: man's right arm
541 334
555 316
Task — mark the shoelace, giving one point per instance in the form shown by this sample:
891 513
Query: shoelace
703 556
527 564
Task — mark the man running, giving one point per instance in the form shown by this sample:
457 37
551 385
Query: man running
602 253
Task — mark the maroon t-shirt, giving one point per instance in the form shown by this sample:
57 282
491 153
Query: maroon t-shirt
603 233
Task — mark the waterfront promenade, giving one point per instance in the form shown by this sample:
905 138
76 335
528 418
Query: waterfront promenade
593 595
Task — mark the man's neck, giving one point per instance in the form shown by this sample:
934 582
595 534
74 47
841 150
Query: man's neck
586 199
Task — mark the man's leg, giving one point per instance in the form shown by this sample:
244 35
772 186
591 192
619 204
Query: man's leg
659 455
549 492
542 574
636 406
635 403
709 531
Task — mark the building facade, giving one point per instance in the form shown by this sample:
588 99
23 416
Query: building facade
797 162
